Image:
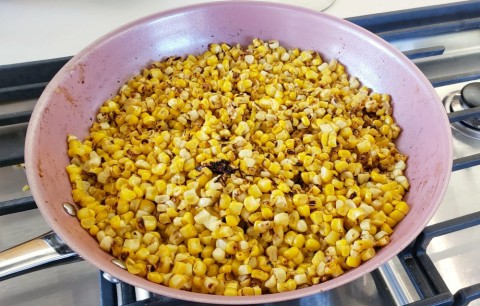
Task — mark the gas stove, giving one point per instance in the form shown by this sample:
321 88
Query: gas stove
438 268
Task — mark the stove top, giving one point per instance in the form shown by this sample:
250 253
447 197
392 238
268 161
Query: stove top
437 269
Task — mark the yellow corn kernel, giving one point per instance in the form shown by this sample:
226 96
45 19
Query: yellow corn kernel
304 210
298 241
289 285
332 237
397 215
179 268
378 178
316 217
254 191
274 168
127 194
194 246
244 270
342 248
290 253
355 214
230 292
337 225
312 245
300 199
364 146
353 262
188 231
236 207
378 218
265 185
232 220
177 281
367 254
402 207
155 277
281 219
251 204
149 223
329 190
267 213
259 274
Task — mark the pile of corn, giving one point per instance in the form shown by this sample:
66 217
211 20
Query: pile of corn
241 171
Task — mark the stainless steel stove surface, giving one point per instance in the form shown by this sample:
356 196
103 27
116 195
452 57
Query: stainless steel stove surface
439 269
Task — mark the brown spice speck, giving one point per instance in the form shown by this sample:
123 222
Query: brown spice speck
39 168
67 95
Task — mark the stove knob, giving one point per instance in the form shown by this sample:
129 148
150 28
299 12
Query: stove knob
470 94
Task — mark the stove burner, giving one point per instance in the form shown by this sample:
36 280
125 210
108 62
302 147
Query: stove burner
467 97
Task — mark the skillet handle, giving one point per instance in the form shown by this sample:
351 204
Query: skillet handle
38 253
